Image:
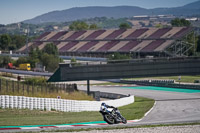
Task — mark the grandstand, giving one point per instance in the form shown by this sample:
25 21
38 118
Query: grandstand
143 41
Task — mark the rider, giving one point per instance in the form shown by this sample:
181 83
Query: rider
104 107
107 106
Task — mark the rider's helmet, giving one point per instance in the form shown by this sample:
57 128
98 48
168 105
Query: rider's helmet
103 104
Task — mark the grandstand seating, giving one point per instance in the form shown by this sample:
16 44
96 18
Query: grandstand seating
95 34
112 40
97 46
75 35
114 34
47 37
181 32
68 46
164 45
41 36
141 45
159 33
107 46
118 46
152 46
148 33
136 33
56 36
105 34
128 46
87 46
77 46
172 32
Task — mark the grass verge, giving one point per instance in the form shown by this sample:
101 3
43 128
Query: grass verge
15 117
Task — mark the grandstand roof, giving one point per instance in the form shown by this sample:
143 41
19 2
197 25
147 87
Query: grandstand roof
113 40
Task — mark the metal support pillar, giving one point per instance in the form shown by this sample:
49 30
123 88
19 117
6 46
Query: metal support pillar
88 87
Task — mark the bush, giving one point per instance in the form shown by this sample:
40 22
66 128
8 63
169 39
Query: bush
36 81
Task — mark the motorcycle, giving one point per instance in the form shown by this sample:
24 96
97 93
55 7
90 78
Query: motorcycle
112 116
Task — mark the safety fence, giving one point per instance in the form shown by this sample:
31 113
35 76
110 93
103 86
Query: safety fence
22 102
8 87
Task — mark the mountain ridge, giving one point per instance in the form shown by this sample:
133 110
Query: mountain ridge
77 13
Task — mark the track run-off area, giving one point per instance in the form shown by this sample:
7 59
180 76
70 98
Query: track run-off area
172 106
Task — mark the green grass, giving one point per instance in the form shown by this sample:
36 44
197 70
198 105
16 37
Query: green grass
15 117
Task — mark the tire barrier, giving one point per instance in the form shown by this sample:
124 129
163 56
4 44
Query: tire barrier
22 102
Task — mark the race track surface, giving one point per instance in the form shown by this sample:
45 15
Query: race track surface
171 106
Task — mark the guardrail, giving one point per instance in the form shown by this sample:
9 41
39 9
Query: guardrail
31 103
162 84
153 81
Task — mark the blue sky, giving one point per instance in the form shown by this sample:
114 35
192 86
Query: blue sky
18 10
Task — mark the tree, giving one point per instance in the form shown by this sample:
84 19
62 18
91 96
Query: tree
78 25
51 49
180 22
4 60
93 27
48 57
5 41
18 40
34 56
21 60
51 62
124 26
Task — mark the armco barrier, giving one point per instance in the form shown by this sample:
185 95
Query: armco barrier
170 85
31 103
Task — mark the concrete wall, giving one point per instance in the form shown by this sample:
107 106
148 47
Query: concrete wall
148 68
31 103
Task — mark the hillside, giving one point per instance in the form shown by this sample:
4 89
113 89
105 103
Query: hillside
115 12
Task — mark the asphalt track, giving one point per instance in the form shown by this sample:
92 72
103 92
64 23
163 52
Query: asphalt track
172 106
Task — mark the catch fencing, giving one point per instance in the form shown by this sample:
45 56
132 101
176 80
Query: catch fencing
22 102
8 87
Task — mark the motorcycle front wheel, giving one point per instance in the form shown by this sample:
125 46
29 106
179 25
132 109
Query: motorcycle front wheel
124 120
109 119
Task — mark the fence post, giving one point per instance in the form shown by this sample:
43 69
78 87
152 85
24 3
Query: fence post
0 85
46 85
32 89
65 87
13 86
6 86
23 89
27 88
57 88
50 86
18 86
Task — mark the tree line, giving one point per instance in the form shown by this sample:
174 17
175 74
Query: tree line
12 42
48 57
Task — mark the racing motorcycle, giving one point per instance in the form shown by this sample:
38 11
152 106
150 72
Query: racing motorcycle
111 114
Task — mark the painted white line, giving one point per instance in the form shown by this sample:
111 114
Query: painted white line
150 109
25 128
